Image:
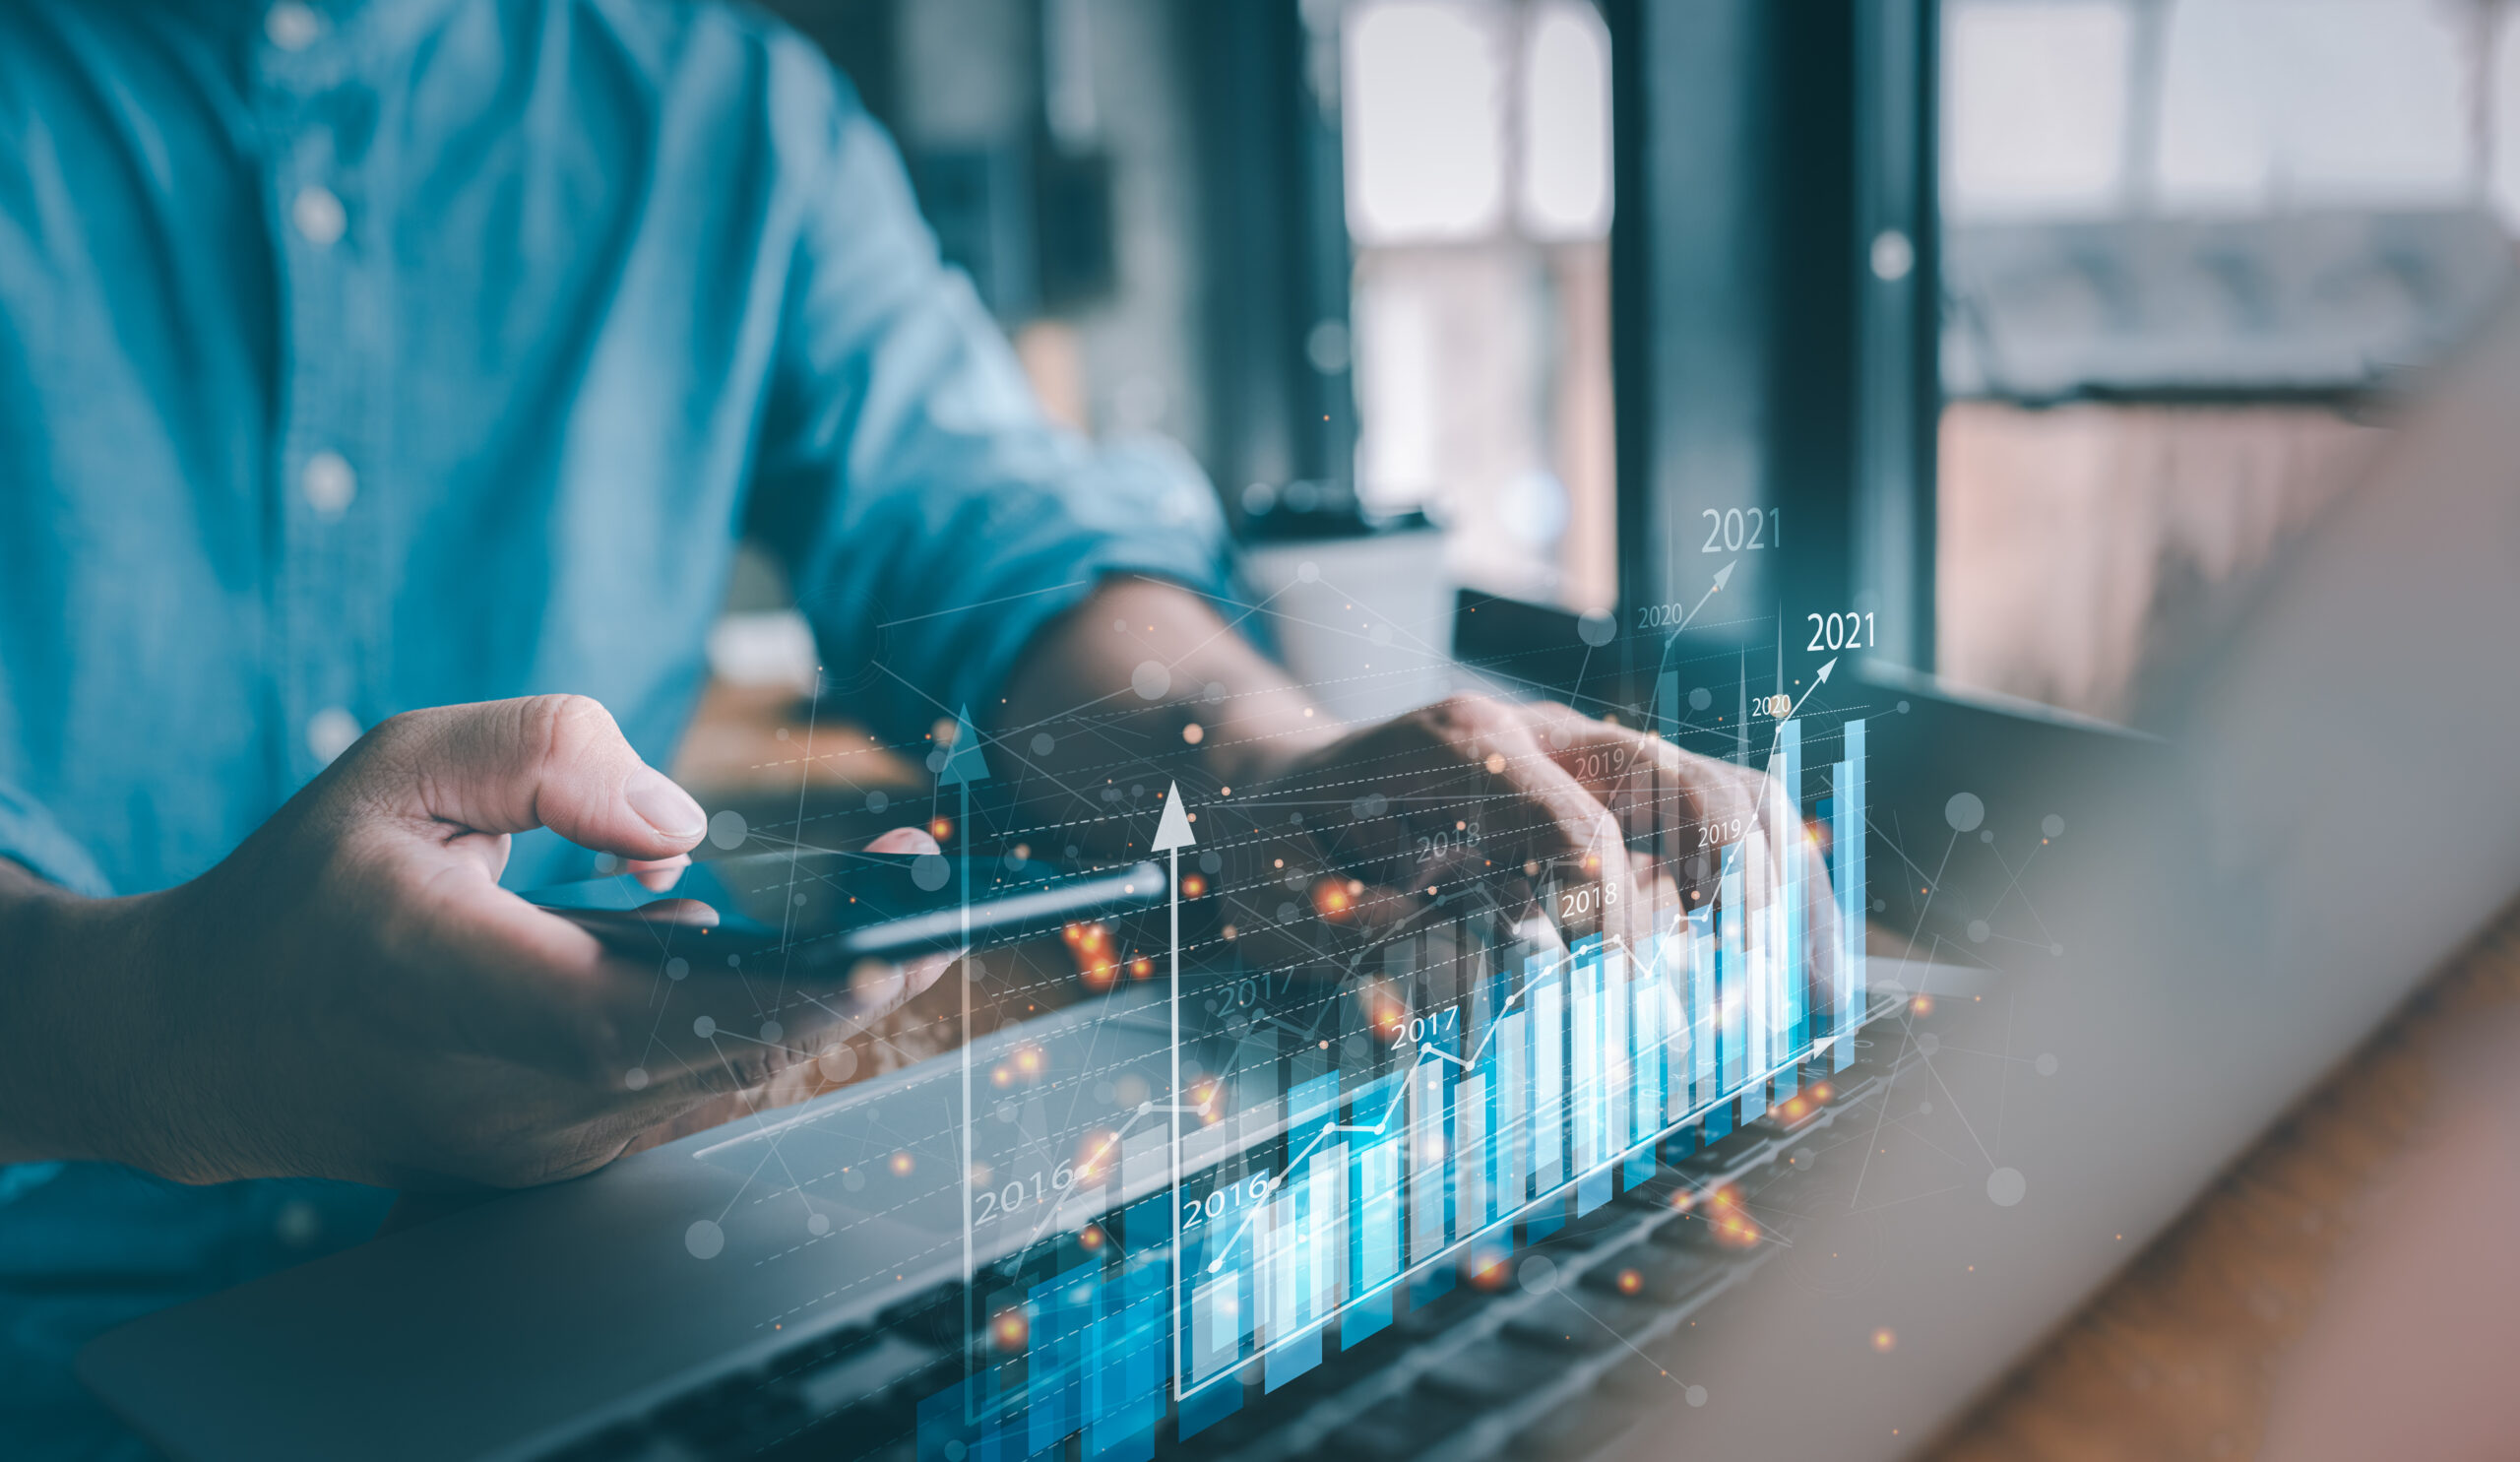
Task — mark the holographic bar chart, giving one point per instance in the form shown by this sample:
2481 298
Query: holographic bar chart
1515 1081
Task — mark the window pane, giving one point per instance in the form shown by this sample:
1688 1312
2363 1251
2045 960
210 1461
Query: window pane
2272 102
1424 103
2034 107
2176 312
1566 123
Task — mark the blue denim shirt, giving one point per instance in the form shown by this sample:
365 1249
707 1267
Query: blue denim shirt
363 357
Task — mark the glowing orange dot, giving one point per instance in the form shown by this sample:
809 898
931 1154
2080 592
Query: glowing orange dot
1883 1339
1923 1005
1009 1329
1141 966
940 829
1631 1282
901 1163
1193 886
1331 898
1194 734
1091 1239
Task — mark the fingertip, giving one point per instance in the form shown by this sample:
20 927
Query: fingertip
659 874
666 808
912 840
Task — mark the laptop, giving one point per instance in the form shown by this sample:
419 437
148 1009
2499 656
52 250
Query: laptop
2101 963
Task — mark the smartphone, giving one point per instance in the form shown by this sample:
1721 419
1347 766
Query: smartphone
825 911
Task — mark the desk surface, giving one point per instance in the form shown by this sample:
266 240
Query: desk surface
2181 1356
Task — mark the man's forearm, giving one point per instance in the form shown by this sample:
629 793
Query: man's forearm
1215 705
58 988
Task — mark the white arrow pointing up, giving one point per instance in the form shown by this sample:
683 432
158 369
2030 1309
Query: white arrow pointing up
1816 682
1174 830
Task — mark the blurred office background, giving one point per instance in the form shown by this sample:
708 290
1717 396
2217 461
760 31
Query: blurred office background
2193 250
1354 259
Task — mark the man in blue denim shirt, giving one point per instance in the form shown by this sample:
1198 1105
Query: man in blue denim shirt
369 356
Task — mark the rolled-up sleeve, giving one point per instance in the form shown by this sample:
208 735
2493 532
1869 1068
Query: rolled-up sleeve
932 518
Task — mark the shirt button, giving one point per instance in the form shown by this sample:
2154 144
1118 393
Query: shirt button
318 215
292 27
328 485
329 732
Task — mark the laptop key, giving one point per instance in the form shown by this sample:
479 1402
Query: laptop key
1489 1373
1690 1233
734 1418
1641 1378
861 1373
1233 1434
1394 1431
1574 1429
1644 1271
1562 1323
927 1322
626 1442
1440 1313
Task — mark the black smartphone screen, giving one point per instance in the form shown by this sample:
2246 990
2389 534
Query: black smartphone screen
831 908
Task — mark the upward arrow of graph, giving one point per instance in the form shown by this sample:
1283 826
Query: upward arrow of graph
1722 576
1817 681
1171 835
965 763
962 765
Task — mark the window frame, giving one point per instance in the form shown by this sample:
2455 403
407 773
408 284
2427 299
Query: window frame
1759 147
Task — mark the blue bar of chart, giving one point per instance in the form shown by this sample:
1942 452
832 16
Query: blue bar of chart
1512 1105
1731 996
1784 770
1845 847
1588 1055
1547 1123
1703 1044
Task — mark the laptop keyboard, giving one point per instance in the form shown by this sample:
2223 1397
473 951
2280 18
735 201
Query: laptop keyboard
1536 1363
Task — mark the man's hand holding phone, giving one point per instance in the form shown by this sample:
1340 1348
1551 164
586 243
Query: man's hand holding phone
352 994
